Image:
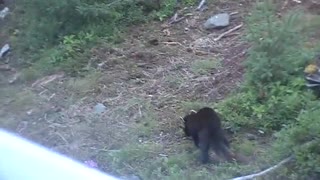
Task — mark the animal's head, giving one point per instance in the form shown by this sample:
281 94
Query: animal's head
185 120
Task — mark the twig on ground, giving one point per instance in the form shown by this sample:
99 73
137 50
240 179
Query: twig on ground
201 4
251 176
47 79
172 43
5 67
228 32
51 96
177 20
140 112
297 1
62 137
284 5
163 155
166 32
42 92
173 18
234 13
126 125
200 53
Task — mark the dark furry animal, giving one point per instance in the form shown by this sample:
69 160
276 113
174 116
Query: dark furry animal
205 129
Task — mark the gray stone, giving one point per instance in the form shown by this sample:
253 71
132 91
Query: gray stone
4 50
217 21
4 12
99 108
251 136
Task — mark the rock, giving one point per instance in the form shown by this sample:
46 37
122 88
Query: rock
217 21
251 136
154 42
14 78
4 50
30 112
99 108
5 67
4 12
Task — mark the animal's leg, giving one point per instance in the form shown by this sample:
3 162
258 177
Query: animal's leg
225 141
196 140
204 145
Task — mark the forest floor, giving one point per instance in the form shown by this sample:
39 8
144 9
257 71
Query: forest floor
145 88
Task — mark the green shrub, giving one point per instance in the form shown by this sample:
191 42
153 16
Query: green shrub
279 108
46 22
167 9
273 93
302 140
56 33
273 96
277 52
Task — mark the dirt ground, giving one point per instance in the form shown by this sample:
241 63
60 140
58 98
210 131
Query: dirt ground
144 86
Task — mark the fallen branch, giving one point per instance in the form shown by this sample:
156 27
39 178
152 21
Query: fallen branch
201 4
172 43
175 18
251 176
234 13
284 5
297 1
228 32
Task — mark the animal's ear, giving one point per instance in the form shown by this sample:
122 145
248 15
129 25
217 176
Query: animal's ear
183 119
193 111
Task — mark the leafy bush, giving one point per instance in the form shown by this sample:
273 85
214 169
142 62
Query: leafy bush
276 53
273 93
303 140
273 96
46 22
166 10
280 107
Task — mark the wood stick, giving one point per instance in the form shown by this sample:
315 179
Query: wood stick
251 176
228 32
201 4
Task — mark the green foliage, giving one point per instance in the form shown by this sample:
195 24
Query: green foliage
189 2
236 111
70 55
279 109
166 10
46 22
302 140
56 33
273 96
276 53
245 147
132 155
144 161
